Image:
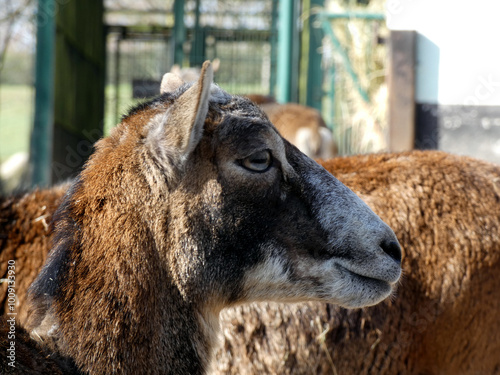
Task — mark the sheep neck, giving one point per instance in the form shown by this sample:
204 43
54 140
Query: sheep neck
168 334
116 308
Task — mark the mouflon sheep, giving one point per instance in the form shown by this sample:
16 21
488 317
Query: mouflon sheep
192 204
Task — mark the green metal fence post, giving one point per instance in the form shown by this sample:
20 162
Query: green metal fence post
274 47
285 58
41 136
179 32
197 54
296 46
314 71
117 76
79 82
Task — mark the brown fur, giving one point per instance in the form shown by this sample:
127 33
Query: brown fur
444 318
170 221
25 238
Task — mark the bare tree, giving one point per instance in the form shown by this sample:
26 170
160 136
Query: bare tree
13 12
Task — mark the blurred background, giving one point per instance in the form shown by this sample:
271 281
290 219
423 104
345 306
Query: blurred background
382 75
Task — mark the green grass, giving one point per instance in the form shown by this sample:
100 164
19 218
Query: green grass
16 117
111 116
126 102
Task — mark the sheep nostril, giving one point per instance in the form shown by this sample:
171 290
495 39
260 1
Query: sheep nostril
392 249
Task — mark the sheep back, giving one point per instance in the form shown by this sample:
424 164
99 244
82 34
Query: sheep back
25 235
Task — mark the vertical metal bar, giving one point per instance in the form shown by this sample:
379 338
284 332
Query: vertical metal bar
296 41
285 57
179 32
403 135
79 84
331 98
117 77
41 136
314 71
197 55
274 47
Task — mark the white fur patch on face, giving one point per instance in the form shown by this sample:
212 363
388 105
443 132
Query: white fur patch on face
267 281
322 280
340 286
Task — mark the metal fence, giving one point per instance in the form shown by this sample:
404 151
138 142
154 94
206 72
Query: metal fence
137 56
248 59
353 64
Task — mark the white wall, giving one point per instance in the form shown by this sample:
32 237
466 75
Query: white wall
458 48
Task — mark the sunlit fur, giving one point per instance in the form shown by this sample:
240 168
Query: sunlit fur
166 225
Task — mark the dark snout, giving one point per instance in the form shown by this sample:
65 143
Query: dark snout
361 241
392 248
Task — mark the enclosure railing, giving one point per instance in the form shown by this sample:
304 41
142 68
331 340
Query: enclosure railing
352 139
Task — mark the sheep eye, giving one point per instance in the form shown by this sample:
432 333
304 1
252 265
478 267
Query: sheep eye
258 162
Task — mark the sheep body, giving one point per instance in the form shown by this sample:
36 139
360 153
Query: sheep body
25 237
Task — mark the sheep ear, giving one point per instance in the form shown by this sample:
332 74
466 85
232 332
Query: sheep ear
170 82
216 65
186 117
